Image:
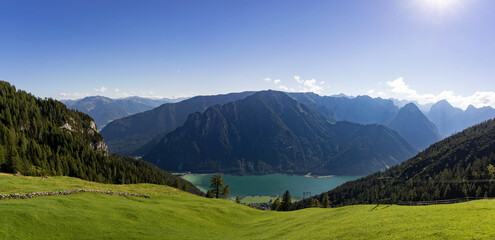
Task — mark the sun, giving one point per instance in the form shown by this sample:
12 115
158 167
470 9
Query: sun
439 5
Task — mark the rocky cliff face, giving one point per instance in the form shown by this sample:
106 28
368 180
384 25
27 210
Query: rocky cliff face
100 146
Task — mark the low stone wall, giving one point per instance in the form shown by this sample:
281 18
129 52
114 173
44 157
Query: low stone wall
67 192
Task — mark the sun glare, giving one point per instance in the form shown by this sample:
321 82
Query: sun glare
439 5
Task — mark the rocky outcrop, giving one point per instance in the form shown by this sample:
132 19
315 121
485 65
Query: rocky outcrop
67 192
100 146
66 127
92 130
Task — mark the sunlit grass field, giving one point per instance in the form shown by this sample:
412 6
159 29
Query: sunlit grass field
172 214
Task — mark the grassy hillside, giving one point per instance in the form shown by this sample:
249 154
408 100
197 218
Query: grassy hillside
172 214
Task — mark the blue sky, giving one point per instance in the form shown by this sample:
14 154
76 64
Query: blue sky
408 49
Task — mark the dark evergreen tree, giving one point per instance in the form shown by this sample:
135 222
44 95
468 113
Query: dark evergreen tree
286 204
209 194
326 201
276 204
176 184
226 191
217 187
315 203
237 199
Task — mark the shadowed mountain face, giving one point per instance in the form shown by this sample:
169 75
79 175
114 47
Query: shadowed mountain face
458 166
269 132
104 110
361 109
408 121
450 120
134 135
413 125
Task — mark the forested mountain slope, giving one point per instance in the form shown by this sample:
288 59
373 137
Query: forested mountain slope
462 165
42 137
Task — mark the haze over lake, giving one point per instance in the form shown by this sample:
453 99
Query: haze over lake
274 184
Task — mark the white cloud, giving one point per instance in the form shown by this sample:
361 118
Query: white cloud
116 90
149 94
401 90
309 85
73 95
286 89
101 90
374 93
298 79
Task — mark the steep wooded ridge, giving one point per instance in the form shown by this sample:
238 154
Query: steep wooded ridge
459 166
408 121
450 120
104 110
42 137
269 132
137 134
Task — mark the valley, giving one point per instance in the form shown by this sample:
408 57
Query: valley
370 119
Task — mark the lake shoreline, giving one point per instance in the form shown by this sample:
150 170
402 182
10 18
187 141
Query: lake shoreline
271 184
200 174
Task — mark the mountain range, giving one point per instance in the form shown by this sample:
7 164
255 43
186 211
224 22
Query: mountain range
450 120
135 135
104 109
143 133
269 132
461 165
408 121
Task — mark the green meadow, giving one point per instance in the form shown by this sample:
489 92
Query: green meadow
173 214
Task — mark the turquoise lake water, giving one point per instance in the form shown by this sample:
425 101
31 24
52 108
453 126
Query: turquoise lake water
274 184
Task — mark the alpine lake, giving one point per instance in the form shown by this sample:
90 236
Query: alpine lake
272 185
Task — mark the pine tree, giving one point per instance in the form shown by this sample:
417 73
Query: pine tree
237 199
326 201
209 194
185 187
276 204
217 187
315 203
176 184
286 202
225 191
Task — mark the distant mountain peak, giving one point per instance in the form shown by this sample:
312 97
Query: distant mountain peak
413 125
410 107
471 107
442 104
